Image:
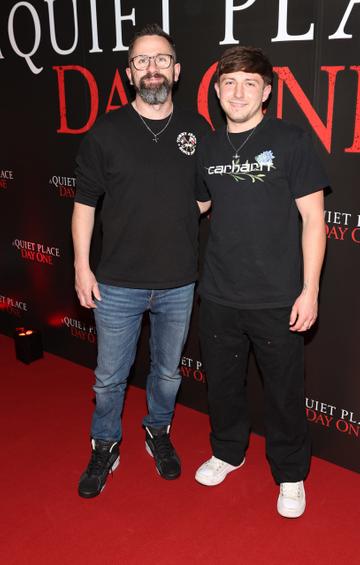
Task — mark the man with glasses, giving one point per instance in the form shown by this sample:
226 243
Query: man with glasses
141 160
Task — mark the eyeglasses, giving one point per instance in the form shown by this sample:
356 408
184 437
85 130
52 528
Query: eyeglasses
162 61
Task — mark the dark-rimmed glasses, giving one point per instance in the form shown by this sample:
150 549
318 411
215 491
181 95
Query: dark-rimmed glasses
161 60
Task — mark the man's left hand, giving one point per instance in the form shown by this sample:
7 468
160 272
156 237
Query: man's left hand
304 312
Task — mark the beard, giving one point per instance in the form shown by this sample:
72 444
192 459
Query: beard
154 94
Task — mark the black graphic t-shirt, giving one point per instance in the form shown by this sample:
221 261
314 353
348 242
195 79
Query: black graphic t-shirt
149 212
253 255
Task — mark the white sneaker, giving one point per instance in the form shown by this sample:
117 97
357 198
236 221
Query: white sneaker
214 471
291 502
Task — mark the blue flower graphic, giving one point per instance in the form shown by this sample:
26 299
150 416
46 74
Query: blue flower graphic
265 158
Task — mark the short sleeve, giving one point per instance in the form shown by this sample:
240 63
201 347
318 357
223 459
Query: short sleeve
306 172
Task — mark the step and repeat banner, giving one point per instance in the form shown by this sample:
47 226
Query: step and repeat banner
62 64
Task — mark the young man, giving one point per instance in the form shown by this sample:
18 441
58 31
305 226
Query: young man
261 175
141 158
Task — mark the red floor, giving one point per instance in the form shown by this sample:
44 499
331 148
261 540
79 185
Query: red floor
140 518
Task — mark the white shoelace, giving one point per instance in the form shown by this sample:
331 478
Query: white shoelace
291 490
215 463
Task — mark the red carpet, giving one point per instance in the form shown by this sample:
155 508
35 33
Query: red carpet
140 518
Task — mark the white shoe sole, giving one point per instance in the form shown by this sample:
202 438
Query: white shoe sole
290 512
212 482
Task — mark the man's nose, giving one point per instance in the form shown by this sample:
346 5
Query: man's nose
152 65
239 90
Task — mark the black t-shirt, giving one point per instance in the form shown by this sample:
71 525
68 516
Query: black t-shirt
149 213
253 255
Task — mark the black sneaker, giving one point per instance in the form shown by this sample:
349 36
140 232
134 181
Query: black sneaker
159 446
104 459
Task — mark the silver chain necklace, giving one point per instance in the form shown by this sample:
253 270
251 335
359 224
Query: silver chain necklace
157 134
237 156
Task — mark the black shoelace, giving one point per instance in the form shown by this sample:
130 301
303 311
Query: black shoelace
98 462
163 446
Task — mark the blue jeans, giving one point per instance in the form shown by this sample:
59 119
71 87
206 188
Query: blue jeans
118 323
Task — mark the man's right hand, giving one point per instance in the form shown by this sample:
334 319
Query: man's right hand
86 287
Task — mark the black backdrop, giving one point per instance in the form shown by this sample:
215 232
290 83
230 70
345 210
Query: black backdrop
62 63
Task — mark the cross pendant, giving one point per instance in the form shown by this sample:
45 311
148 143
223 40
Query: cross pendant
236 156
155 139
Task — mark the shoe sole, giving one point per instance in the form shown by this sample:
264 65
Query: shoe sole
148 449
113 467
213 482
291 513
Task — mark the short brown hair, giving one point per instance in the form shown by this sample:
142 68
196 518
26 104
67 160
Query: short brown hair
152 29
247 59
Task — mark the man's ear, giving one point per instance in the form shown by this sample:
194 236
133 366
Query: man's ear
128 74
177 69
217 89
266 92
